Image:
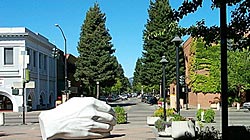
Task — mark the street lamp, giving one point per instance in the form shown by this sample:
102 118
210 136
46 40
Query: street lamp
160 88
24 54
177 40
164 62
97 90
65 61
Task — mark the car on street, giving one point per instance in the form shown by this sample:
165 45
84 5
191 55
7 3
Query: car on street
246 105
103 98
151 100
123 96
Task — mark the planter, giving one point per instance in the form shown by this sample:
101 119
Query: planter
166 133
183 129
151 120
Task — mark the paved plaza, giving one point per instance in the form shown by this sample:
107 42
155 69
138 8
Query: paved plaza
135 129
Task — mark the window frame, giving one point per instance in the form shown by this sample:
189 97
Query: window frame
7 56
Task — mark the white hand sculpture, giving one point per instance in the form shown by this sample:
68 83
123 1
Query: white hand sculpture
78 118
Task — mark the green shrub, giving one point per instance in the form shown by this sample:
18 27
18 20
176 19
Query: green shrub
159 112
167 100
121 116
160 125
170 112
177 117
161 99
209 116
198 114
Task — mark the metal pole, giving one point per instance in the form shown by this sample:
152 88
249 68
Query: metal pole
224 82
186 91
97 90
65 61
177 80
23 106
164 91
23 93
160 89
164 62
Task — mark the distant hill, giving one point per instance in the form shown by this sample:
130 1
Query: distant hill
131 80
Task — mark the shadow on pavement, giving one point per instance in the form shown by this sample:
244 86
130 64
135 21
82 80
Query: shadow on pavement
116 135
121 104
238 132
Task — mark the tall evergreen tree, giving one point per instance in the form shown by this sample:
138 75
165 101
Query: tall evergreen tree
155 46
124 80
137 75
96 61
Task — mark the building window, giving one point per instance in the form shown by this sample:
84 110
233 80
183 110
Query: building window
45 62
40 60
8 56
28 53
34 58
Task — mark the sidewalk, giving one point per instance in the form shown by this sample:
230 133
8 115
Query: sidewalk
135 129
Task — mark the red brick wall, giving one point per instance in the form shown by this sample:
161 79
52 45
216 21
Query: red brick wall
202 99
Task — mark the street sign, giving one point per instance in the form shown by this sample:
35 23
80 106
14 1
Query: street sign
17 84
30 84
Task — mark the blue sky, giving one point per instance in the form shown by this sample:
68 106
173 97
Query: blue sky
125 20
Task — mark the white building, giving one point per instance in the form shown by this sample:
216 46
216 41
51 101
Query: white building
21 48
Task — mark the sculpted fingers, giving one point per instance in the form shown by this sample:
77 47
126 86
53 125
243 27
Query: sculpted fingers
104 118
103 107
101 127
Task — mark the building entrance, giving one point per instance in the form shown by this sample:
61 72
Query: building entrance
5 103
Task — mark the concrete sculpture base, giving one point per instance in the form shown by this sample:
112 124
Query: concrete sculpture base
78 118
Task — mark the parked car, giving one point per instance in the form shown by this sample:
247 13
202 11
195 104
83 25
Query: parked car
246 105
111 98
123 97
151 100
103 98
144 98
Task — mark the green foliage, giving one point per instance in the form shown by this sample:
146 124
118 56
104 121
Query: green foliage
205 68
238 75
159 112
237 28
137 76
208 133
117 87
208 115
160 125
170 112
159 32
177 117
198 114
121 116
96 61
122 82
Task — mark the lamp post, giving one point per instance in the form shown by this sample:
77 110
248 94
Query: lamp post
160 89
24 53
65 61
164 62
55 53
177 40
97 90
224 78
